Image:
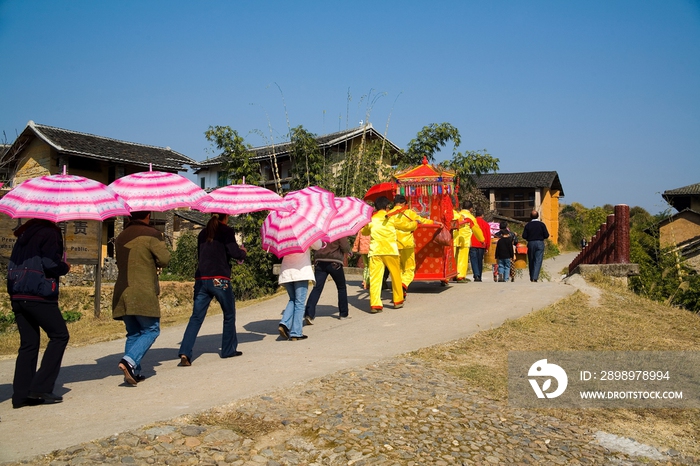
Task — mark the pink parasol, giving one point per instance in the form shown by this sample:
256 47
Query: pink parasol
240 199
307 216
63 197
157 191
352 215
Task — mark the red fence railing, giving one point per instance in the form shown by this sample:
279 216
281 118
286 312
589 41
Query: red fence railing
611 244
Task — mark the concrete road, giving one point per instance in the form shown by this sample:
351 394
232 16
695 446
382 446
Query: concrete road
98 404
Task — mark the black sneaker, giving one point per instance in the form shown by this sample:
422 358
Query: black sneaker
129 376
300 337
284 331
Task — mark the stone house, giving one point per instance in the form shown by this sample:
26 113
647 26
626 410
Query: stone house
515 195
44 150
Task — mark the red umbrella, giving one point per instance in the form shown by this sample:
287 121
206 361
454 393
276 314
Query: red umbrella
307 216
387 189
352 215
240 199
158 191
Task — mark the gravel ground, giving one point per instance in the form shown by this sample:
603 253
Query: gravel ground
394 412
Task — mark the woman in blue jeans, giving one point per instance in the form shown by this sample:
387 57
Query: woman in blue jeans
295 274
216 248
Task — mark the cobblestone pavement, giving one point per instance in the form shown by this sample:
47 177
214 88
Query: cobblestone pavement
394 412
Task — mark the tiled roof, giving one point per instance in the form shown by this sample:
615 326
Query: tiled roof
202 218
690 190
283 148
519 180
101 148
3 148
193 216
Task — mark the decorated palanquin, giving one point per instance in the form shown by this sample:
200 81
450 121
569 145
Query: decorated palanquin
429 192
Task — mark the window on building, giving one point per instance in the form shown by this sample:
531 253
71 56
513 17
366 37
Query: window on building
221 179
202 182
505 200
519 205
531 197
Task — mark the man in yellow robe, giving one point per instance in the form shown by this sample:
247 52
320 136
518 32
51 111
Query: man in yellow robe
466 227
406 242
384 252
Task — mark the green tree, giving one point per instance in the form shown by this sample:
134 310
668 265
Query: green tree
428 141
236 154
361 169
468 165
253 278
309 164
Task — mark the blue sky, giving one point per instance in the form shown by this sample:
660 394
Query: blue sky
607 93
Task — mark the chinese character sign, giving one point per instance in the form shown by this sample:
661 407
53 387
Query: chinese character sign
80 238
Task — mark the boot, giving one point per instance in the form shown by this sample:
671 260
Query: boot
500 277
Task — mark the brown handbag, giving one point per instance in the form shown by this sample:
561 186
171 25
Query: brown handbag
443 237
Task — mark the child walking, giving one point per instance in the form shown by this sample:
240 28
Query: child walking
504 251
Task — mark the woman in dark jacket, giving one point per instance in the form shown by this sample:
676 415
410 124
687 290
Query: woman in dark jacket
216 248
329 260
35 265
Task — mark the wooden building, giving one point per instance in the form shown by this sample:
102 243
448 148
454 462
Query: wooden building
682 230
515 195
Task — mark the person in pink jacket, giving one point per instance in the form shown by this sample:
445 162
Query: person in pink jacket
361 246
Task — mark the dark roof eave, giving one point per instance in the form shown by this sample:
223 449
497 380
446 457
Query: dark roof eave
538 180
35 130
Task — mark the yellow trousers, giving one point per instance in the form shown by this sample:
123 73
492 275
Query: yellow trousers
462 255
407 262
376 273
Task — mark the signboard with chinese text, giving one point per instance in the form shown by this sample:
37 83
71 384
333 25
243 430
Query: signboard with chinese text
81 239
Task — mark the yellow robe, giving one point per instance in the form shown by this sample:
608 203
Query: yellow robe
384 252
407 245
467 226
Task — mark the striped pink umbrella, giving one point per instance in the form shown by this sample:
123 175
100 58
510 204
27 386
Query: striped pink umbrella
157 191
352 215
63 197
240 199
307 217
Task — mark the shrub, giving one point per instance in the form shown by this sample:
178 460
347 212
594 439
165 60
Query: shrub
7 321
663 272
183 261
71 316
253 278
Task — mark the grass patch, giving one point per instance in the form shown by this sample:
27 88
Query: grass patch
622 322
243 424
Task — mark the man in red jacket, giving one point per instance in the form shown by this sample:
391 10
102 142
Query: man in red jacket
479 248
